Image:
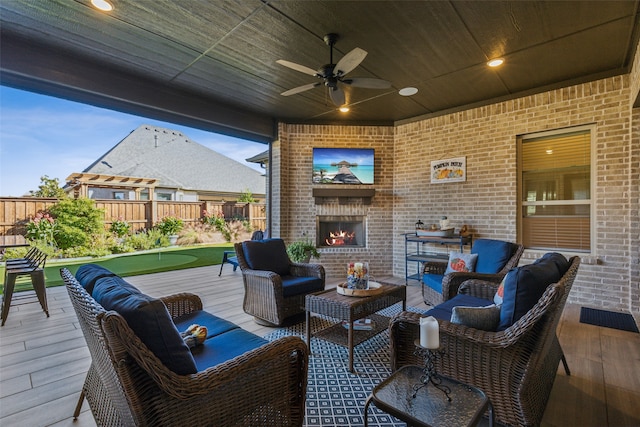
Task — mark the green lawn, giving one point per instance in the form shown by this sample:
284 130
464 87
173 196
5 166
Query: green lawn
165 259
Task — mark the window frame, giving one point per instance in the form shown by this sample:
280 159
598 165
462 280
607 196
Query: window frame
522 203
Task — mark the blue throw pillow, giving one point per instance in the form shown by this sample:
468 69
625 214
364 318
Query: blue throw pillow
88 274
149 319
524 286
492 255
268 255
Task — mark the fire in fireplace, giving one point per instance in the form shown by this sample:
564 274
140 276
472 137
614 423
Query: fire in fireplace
343 230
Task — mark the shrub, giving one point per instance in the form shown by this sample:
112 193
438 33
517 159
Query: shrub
146 240
78 222
120 227
68 237
41 228
169 225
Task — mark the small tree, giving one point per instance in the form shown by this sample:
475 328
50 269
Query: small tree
246 197
49 187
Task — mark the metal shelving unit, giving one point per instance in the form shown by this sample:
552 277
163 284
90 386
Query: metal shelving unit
422 254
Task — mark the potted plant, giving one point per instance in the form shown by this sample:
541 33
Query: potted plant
170 226
302 251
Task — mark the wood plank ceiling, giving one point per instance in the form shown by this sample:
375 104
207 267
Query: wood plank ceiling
212 64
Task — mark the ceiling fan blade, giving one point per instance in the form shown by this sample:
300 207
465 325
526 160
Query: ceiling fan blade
367 82
350 61
300 89
337 96
297 67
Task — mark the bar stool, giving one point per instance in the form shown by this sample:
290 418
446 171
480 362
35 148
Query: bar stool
33 268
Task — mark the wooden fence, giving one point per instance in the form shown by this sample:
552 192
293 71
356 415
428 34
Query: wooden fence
16 212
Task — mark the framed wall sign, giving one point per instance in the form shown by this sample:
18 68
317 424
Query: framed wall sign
449 170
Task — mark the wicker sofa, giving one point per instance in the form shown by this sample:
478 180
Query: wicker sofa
515 365
142 375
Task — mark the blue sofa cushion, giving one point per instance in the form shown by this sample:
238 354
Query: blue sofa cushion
149 319
523 286
268 254
223 347
492 255
443 311
434 281
294 285
215 325
88 274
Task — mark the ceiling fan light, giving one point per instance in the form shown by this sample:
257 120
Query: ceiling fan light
408 91
495 62
344 109
103 5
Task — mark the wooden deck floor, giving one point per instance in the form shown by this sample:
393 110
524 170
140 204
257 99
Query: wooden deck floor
43 361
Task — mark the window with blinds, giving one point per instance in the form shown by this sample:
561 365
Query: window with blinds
555 191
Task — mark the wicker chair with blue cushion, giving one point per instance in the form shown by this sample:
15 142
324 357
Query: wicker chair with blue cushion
510 351
493 259
275 287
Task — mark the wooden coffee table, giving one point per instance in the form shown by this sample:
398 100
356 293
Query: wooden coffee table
349 309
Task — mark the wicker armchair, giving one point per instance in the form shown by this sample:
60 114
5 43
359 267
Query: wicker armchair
452 281
275 288
127 385
515 367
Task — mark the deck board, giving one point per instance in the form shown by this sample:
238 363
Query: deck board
43 360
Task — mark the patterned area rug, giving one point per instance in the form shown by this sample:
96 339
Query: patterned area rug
335 396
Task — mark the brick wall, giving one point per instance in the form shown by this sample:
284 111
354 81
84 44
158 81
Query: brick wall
486 136
298 209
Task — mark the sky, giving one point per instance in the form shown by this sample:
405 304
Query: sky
43 135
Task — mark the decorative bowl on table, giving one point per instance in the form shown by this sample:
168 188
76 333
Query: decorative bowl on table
374 288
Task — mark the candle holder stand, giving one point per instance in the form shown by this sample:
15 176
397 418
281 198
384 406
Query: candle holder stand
429 373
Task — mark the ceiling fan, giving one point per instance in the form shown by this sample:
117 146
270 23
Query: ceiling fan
332 74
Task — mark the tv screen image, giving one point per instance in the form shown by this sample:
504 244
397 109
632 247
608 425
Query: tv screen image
343 165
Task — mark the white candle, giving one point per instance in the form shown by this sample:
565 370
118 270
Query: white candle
429 333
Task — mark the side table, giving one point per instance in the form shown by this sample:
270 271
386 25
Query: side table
430 407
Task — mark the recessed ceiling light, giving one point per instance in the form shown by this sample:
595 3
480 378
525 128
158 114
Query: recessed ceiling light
496 62
103 5
408 91
344 109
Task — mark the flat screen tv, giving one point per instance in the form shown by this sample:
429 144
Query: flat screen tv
343 165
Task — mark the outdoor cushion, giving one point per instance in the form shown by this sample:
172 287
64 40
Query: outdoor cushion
225 346
492 255
459 261
524 286
444 311
215 325
434 281
483 318
88 274
294 285
268 255
149 319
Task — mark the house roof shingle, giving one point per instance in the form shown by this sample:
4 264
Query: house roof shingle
177 162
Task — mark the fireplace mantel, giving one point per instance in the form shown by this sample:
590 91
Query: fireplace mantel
344 195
